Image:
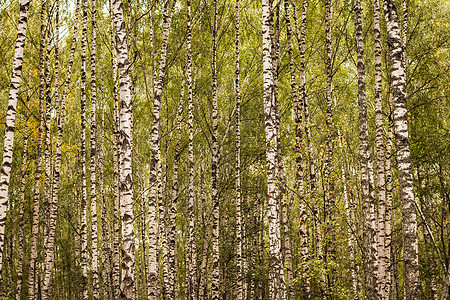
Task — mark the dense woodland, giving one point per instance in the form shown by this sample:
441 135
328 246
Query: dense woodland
225 149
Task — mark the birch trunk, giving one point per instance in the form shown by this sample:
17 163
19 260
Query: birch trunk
215 288
192 293
21 213
53 209
328 168
83 229
106 274
11 119
127 288
48 141
389 216
116 215
203 293
298 115
32 275
276 278
369 218
93 164
152 280
383 263
303 102
240 277
409 216
172 230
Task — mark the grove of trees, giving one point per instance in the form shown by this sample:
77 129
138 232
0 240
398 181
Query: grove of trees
225 149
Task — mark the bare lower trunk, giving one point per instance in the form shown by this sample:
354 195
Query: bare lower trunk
172 229
21 212
106 274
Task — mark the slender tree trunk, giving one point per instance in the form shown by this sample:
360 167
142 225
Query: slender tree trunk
53 202
276 281
152 280
389 215
191 269
369 223
33 275
203 293
11 120
106 274
21 212
409 217
446 285
240 277
383 263
215 283
93 164
303 102
298 112
125 182
116 214
172 230
84 243
328 249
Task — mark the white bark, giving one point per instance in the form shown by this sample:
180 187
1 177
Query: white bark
11 118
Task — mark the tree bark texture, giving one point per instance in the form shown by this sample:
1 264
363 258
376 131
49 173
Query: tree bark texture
277 289
191 269
94 161
83 156
152 280
10 120
21 213
127 287
32 275
369 213
215 288
240 276
409 216
298 117
383 263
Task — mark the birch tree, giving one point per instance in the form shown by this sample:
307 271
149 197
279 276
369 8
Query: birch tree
239 227
383 264
32 291
93 163
215 289
83 155
125 146
409 216
10 120
369 226
277 289
152 280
